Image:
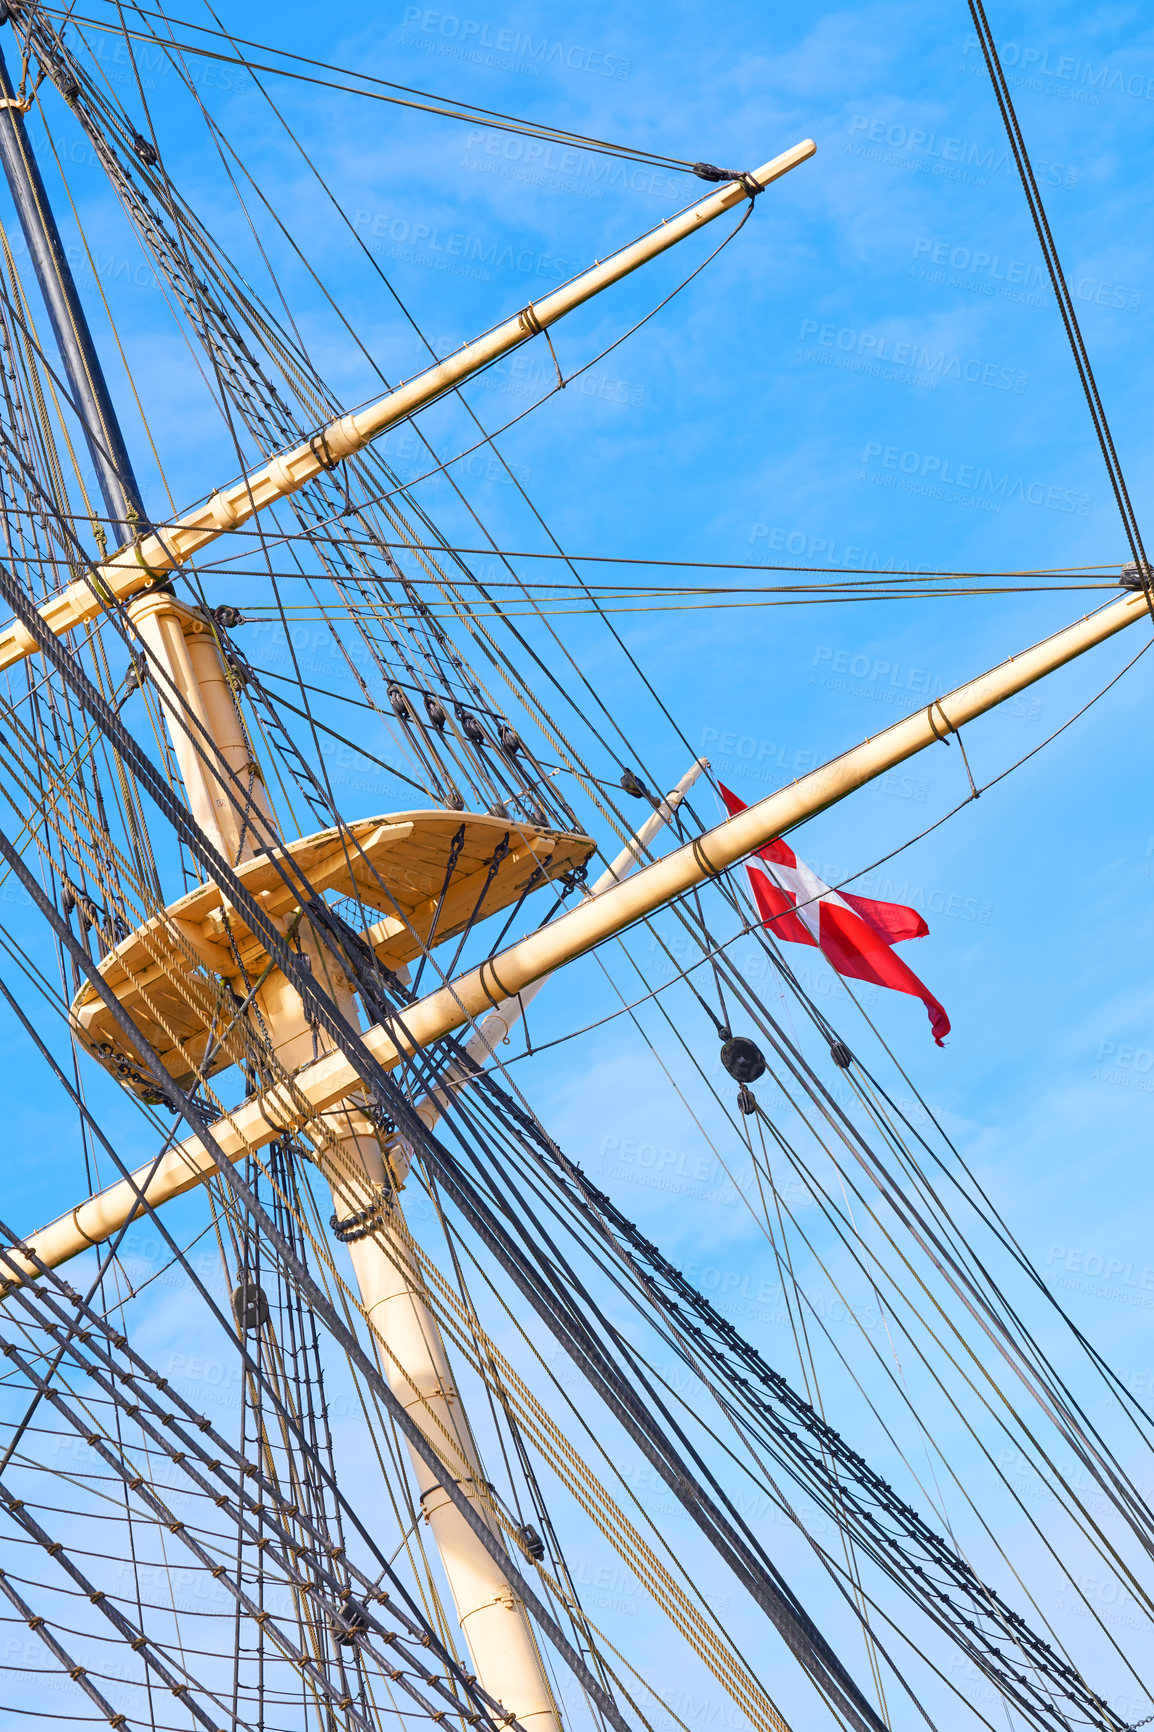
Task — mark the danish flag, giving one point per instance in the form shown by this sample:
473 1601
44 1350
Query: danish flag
853 933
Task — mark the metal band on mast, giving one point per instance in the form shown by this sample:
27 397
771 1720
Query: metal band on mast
89 388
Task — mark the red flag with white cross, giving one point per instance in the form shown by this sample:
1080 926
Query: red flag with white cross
855 934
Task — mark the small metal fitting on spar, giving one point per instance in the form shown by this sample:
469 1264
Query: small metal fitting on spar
1135 576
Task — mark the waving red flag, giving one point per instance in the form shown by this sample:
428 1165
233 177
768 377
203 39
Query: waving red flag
853 933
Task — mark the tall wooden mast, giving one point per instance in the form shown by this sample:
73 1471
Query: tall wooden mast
225 790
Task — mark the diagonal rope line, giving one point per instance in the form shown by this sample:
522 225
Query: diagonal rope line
1060 287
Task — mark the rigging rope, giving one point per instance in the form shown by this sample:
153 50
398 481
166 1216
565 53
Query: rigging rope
1061 289
385 90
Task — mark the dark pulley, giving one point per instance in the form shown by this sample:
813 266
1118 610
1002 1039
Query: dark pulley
746 1102
841 1055
633 785
510 740
471 727
743 1059
435 711
498 810
1135 576
133 680
227 616
145 150
349 1621
400 703
250 1306
531 1543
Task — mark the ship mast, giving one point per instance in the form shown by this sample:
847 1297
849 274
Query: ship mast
78 353
217 763
491 986
307 1074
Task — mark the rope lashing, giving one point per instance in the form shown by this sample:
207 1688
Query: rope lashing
944 738
708 171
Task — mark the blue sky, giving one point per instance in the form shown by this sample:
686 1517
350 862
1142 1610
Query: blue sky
872 375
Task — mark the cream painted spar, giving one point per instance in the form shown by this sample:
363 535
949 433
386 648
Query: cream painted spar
149 561
213 750
482 990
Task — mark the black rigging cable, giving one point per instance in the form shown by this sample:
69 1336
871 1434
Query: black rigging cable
404 96
753 1567
741 1371
1061 290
